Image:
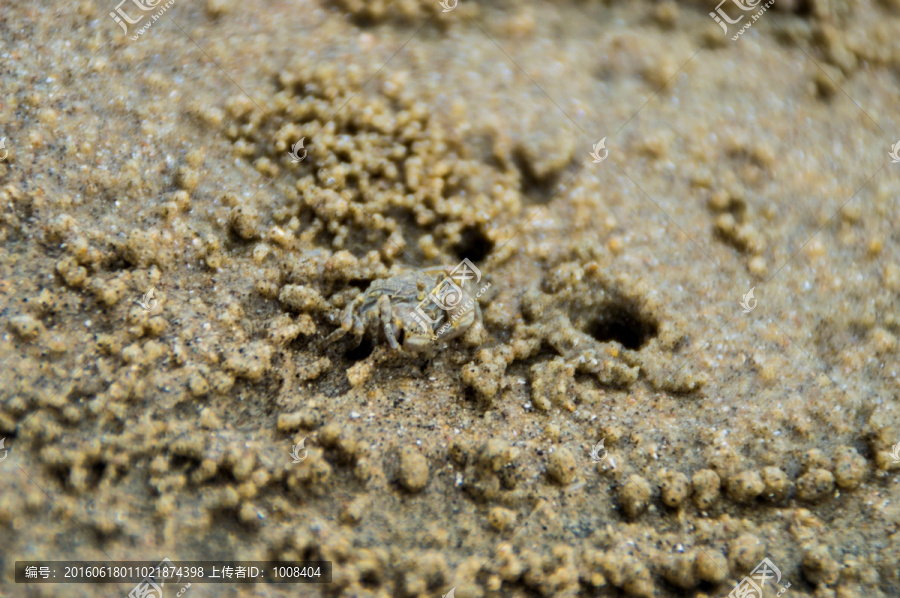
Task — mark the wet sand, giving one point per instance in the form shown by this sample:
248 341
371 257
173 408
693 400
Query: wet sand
140 427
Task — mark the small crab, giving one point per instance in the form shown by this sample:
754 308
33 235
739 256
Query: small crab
414 309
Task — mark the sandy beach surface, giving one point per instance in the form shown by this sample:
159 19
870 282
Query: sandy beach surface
658 255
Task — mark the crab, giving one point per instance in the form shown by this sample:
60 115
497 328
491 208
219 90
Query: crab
414 309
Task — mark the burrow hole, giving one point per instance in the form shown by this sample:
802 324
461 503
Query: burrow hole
622 322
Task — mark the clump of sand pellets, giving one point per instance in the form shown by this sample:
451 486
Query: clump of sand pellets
378 171
376 11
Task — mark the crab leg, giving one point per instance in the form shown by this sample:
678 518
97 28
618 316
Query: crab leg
384 310
349 321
